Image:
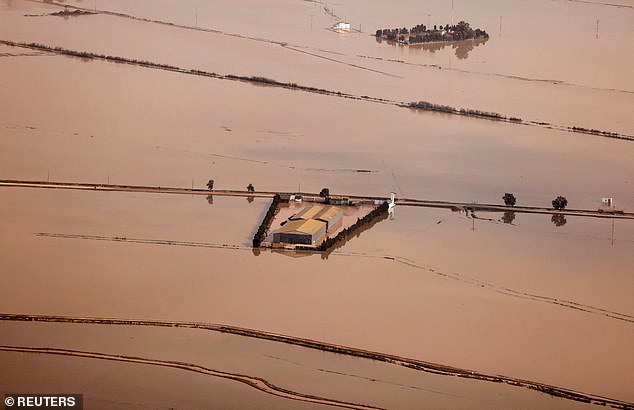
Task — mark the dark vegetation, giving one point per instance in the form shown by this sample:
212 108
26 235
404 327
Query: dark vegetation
349 232
210 184
595 132
509 199
423 34
420 105
250 188
560 203
260 235
325 193
69 13
427 106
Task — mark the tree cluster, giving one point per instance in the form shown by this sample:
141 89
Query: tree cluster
350 231
260 235
427 106
420 33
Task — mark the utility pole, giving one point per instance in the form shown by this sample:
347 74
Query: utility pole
452 13
500 26
196 15
597 29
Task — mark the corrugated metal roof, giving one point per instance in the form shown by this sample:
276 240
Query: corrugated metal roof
308 212
328 213
306 226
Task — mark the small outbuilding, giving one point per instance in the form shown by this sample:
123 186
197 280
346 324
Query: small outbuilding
342 25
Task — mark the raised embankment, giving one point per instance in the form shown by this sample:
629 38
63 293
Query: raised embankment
414 364
466 206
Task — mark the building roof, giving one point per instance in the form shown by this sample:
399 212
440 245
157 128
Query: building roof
305 226
328 213
308 212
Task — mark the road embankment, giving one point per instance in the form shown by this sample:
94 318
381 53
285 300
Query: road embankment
314 197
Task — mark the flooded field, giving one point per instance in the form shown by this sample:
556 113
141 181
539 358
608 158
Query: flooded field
531 297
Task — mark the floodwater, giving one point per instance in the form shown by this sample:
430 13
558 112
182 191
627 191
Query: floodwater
538 299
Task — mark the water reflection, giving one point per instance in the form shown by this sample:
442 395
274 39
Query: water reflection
362 228
558 220
210 199
462 48
249 199
508 217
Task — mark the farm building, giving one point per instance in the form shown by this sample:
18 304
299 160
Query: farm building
309 225
342 25
331 215
300 231
308 212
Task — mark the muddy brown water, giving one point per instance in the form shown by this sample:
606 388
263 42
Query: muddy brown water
482 294
447 303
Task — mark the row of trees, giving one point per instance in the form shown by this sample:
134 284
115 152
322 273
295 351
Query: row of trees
260 235
558 203
349 232
428 106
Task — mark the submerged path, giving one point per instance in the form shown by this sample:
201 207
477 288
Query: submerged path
313 197
253 381
410 363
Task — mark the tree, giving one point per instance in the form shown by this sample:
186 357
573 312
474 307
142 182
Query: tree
560 203
250 188
324 193
509 199
210 184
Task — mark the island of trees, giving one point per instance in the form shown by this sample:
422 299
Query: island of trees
423 34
